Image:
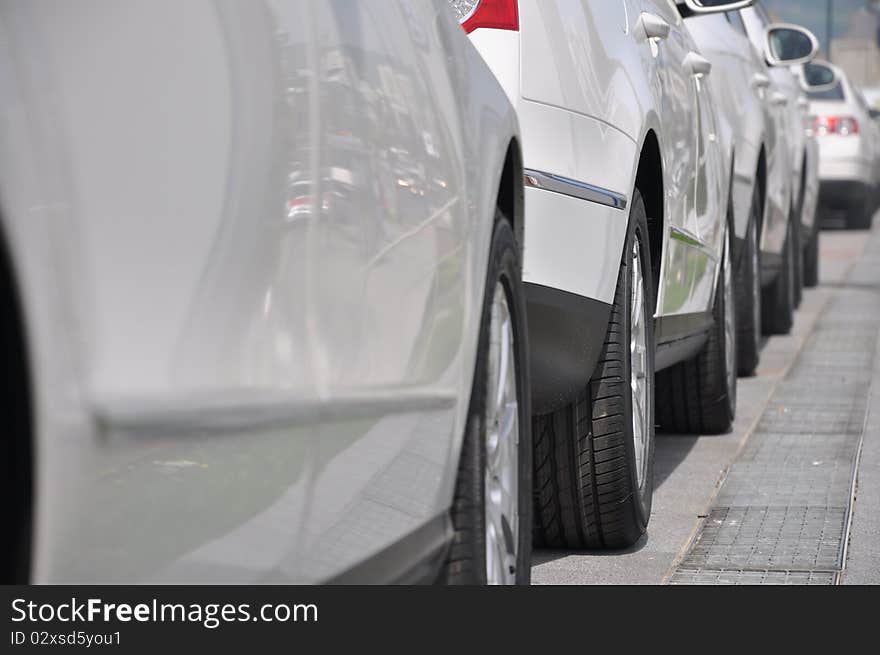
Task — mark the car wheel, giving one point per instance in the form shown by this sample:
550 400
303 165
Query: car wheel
797 264
799 244
492 506
698 396
811 258
777 309
861 213
748 297
594 473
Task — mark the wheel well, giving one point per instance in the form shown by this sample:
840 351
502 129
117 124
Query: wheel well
649 182
511 191
16 458
803 193
761 181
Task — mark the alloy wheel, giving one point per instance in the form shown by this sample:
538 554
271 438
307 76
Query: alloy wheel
638 358
501 473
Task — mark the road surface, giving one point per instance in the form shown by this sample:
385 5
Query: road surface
777 499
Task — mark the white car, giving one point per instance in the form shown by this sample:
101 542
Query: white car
265 258
848 144
626 265
762 181
801 251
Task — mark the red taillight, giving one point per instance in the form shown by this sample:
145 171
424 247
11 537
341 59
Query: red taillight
493 14
839 125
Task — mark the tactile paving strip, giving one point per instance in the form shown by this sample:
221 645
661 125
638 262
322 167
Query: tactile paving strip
781 515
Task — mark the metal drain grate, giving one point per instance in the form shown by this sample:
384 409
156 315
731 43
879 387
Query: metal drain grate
780 517
800 420
799 450
770 538
740 577
792 470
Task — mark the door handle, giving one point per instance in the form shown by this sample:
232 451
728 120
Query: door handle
654 26
697 64
779 99
760 81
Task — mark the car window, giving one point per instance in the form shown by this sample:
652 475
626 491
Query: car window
734 18
830 94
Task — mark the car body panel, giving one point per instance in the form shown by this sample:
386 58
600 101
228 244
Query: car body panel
851 157
591 82
591 88
793 120
696 151
268 225
739 76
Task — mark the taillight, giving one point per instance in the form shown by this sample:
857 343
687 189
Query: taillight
494 14
839 125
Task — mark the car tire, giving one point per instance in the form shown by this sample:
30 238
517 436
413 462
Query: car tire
748 296
861 213
777 309
811 258
594 457
698 396
476 519
797 263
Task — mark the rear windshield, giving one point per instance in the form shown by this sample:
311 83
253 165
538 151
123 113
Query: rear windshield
831 94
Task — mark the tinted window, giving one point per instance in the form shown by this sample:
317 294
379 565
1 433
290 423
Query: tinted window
831 94
736 20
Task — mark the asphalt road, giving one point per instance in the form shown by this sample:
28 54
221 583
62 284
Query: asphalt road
690 468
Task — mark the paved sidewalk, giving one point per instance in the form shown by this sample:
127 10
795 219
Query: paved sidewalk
863 552
783 513
690 468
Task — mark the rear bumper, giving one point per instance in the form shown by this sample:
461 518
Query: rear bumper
566 333
843 194
845 169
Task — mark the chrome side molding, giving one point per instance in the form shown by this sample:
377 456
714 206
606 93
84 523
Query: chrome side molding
573 188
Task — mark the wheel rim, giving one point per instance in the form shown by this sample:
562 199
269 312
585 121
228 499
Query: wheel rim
638 361
502 440
729 323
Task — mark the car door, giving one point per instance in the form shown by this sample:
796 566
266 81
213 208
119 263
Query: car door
277 377
740 84
686 260
784 98
712 192
385 290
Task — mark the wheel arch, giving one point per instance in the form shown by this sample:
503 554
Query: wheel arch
511 190
18 445
649 183
761 181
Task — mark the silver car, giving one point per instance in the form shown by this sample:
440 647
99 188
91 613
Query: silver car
764 199
262 296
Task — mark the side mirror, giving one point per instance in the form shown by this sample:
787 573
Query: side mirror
818 77
789 45
696 7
